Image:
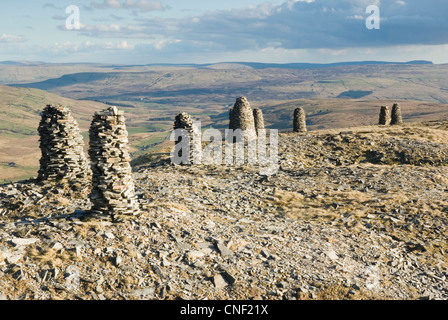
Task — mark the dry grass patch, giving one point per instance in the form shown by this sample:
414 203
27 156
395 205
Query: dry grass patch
52 257
341 292
178 207
293 205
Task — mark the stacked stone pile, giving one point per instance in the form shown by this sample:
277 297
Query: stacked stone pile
299 120
258 119
242 117
113 190
396 117
231 119
184 121
62 146
243 114
223 233
384 116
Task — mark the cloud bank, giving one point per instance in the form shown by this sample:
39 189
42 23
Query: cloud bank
319 24
295 24
294 30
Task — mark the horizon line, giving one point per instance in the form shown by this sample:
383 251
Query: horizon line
30 63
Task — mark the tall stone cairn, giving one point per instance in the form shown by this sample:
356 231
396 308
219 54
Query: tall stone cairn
62 147
396 115
113 190
243 117
384 116
299 120
231 119
184 121
258 119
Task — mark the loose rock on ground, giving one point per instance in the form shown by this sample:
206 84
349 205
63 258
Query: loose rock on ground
351 215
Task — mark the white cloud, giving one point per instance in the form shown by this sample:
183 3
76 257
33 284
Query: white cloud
141 5
145 5
69 47
159 45
107 4
103 28
11 38
121 45
331 52
52 6
296 29
317 24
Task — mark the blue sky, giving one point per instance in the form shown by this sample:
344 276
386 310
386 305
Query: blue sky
176 31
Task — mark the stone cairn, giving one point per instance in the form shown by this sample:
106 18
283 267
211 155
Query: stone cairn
242 117
184 121
258 120
62 147
384 116
113 190
299 120
396 115
231 119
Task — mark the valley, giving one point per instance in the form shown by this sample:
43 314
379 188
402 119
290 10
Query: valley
333 96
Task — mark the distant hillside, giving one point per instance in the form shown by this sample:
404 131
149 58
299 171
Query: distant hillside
22 72
346 113
16 72
257 65
188 86
336 96
21 63
19 119
253 64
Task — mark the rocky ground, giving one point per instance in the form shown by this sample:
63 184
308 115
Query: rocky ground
360 214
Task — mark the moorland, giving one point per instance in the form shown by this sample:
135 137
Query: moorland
333 96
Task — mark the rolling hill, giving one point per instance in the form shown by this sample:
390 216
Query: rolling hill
355 210
199 86
334 96
19 119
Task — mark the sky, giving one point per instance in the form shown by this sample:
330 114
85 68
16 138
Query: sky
181 31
